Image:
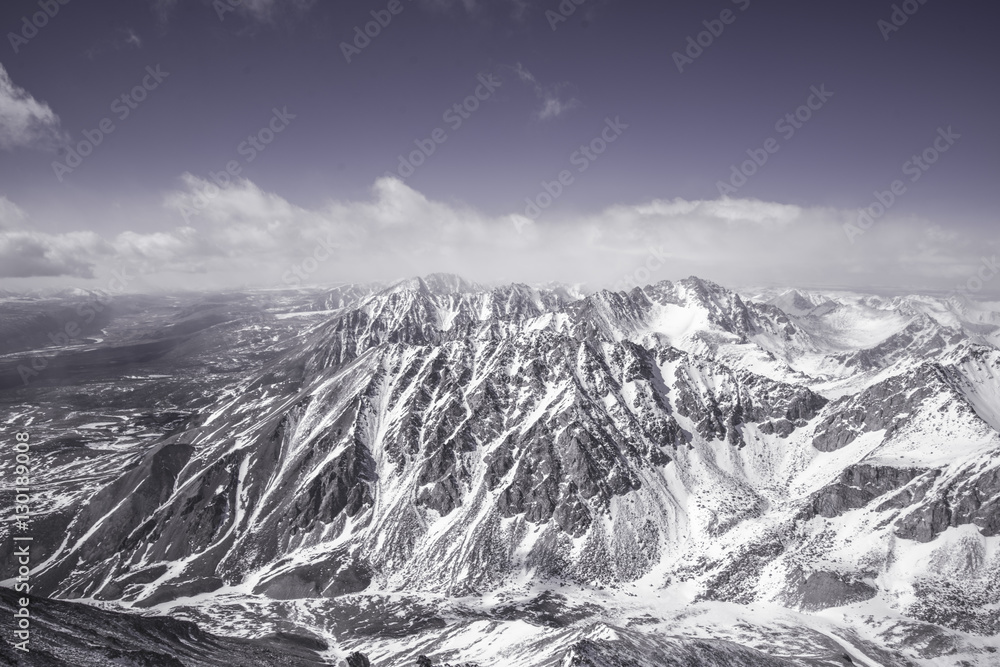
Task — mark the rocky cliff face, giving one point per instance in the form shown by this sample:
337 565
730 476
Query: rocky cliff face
440 437
66 634
499 432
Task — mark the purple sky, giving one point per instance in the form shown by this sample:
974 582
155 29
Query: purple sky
606 78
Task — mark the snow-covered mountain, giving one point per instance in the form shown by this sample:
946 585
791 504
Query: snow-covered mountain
527 475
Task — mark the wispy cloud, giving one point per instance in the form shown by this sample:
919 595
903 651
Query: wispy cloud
124 38
256 11
162 10
11 215
24 121
514 9
553 100
132 39
264 12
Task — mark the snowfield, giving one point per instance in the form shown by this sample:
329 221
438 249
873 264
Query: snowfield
521 475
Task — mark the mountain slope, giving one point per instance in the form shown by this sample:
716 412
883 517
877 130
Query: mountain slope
440 438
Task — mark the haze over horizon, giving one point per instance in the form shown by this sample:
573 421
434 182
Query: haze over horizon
212 144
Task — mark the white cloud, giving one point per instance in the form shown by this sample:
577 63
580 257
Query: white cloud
242 201
123 38
266 11
131 38
24 121
32 254
162 9
554 102
515 9
245 235
258 11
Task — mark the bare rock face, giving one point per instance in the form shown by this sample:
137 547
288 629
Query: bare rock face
881 406
631 649
974 499
450 439
66 634
821 590
358 659
745 399
130 501
860 484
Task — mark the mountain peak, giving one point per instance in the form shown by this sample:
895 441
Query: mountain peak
702 285
436 283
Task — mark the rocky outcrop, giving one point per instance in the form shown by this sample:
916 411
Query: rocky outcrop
633 649
358 659
741 398
105 526
66 634
973 499
821 590
886 405
858 485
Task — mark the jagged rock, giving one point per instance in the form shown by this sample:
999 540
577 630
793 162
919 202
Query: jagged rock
358 659
886 405
974 500
448 438
66 634
859 485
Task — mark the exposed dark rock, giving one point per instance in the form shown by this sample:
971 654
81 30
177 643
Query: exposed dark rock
635 650
885 405
948 604
130 501
821 590
358 659
859 485
974 499
549 609
66 634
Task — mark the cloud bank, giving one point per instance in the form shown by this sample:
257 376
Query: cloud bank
242 235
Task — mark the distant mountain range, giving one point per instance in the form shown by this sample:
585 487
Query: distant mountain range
515 475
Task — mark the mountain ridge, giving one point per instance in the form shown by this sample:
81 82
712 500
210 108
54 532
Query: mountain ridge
448 439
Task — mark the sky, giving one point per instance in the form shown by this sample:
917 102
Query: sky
210 144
